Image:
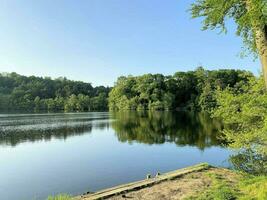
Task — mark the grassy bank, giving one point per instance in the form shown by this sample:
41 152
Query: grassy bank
234 185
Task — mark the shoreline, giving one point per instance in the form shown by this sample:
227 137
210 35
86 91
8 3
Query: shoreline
138 185
198 182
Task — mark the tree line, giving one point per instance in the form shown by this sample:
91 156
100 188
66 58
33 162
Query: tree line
192 90
19 92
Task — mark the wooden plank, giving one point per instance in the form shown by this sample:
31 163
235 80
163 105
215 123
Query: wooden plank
123 189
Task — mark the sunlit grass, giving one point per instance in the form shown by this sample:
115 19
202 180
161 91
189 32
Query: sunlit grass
246 187
219 190
254 188
59 197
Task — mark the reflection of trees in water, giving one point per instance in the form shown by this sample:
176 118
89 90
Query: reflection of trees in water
250 162
16 136
146 127
182 128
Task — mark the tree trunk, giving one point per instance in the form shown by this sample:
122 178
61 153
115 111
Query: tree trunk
260 38
261 42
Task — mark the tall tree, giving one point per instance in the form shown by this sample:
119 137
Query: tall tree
249 15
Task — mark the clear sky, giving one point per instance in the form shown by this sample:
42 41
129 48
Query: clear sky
98 40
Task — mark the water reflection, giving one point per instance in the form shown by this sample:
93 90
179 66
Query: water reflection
15 129
249 161
194 129
181 128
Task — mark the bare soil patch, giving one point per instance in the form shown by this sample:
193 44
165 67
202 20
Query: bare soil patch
182 187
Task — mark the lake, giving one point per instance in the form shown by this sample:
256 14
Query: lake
47 154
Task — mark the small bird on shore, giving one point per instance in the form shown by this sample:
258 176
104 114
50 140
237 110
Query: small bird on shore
148 176
158 174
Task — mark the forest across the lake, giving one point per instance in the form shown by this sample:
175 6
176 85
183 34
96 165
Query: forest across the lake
22 93
192 90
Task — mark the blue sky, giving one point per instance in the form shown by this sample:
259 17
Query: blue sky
98 40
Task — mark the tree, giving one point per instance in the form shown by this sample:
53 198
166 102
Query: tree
37 103
207 100
4 102
249 15
51 105
99 102
71 104
244 114
168 101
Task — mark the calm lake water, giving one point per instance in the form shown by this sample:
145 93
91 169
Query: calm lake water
43 154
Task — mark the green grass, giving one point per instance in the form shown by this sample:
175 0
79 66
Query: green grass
219 190
218 193
59 197
253 187
246 188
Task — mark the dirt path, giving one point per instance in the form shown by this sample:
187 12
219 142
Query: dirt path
180 188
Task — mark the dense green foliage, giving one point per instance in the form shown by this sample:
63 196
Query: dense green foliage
192 90
244 113
44 94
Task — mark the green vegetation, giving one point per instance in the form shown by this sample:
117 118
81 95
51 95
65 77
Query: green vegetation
44 94
236 97
230 187
253 187
249 161
250 17
60 197
244 113
243 110
193 90
220 189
